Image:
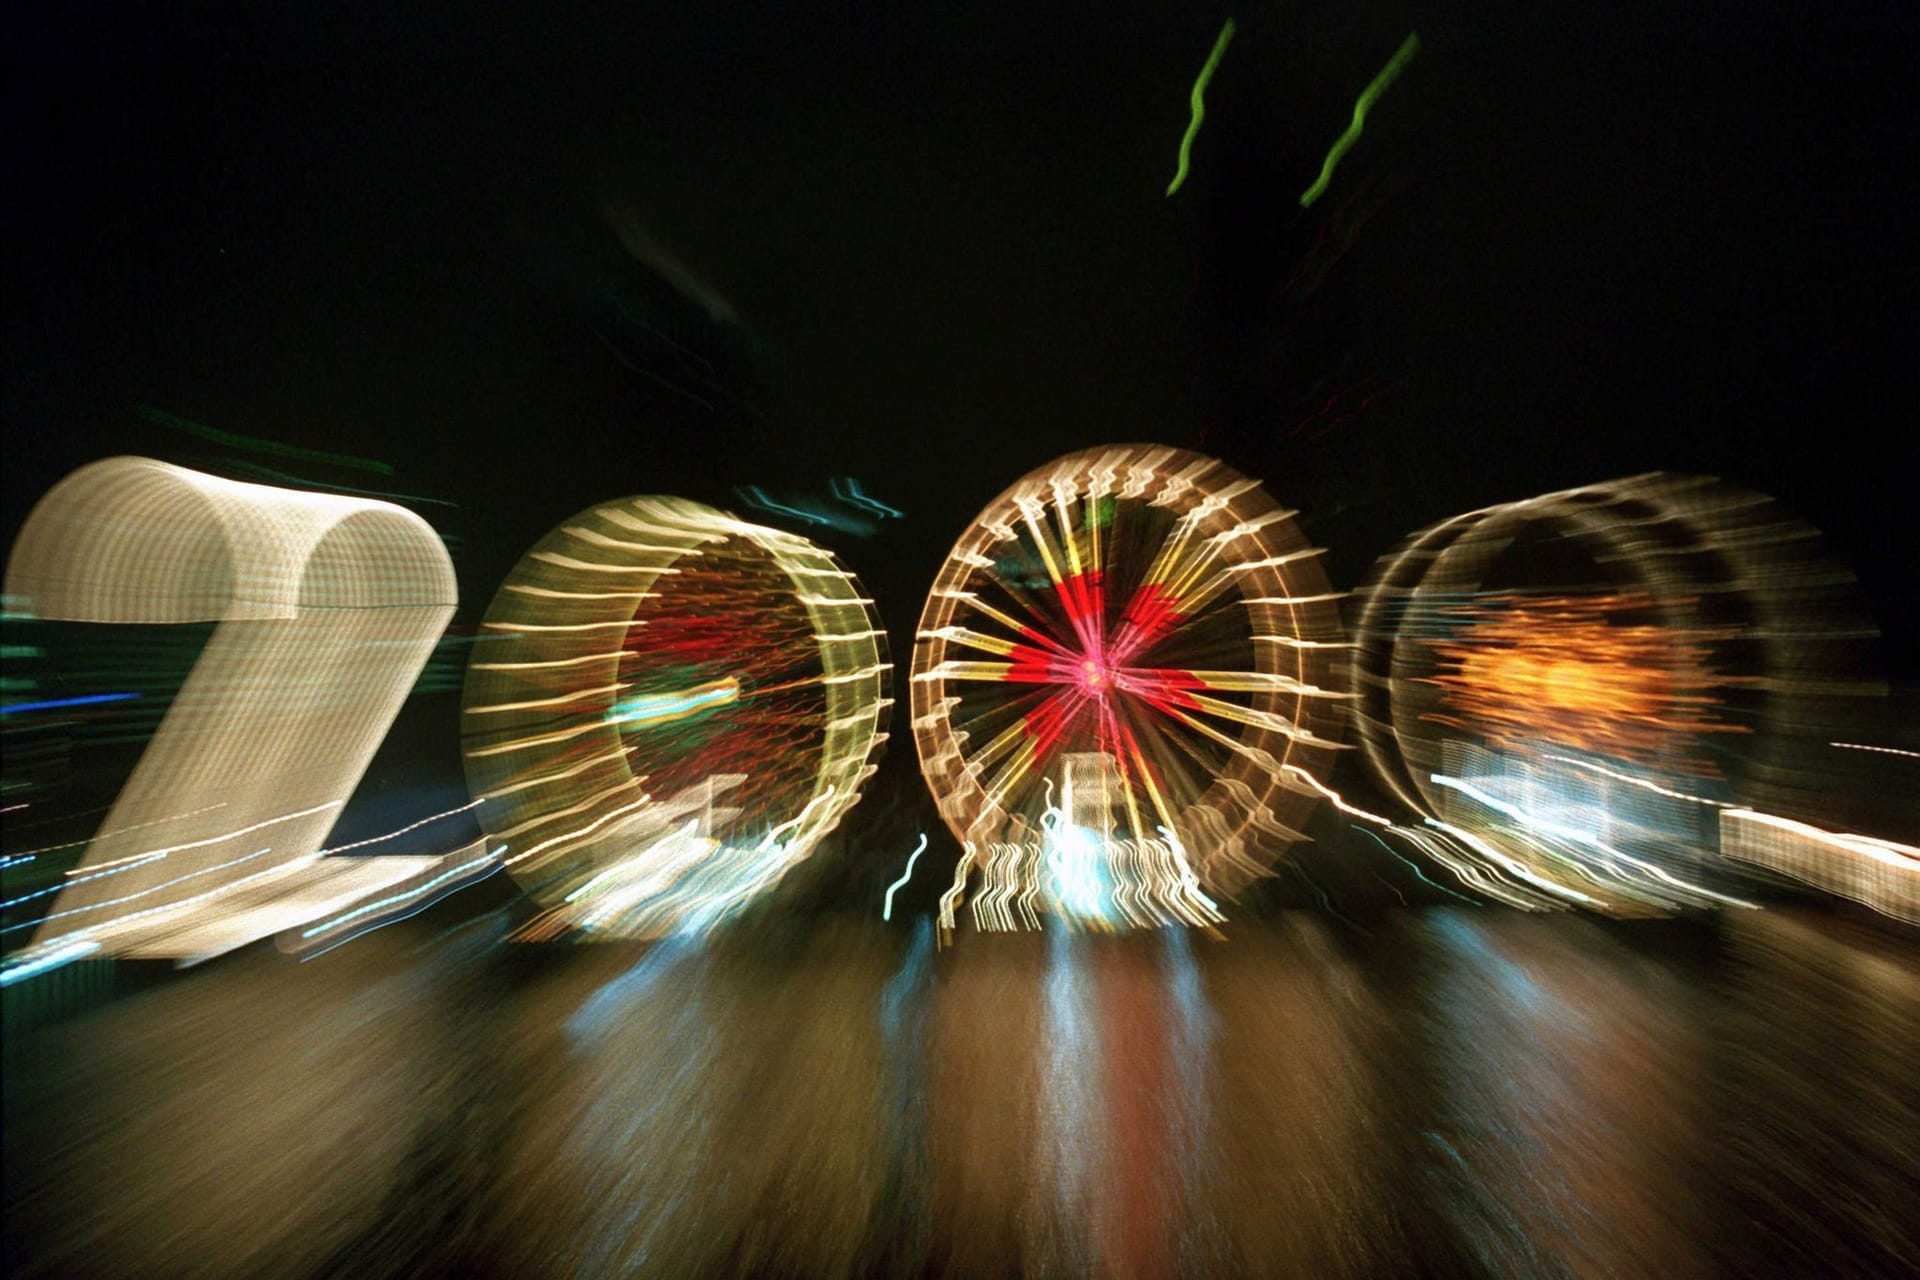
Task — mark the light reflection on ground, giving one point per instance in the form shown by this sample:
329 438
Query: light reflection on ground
1458 1093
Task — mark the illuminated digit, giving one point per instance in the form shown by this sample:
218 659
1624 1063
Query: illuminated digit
669 709
328 607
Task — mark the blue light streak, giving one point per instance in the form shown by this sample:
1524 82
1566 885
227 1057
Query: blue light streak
847 489
88 700
757 496
62 954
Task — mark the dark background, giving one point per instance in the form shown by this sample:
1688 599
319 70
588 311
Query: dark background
932 250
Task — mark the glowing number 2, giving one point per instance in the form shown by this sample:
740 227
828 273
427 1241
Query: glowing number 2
328 607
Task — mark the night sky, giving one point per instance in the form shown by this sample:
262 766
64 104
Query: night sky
552 255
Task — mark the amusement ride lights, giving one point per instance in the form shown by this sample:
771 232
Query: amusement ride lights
1147 630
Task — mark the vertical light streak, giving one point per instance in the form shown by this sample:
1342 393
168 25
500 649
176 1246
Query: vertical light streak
886 912
1389 73
1198 100
1073 1137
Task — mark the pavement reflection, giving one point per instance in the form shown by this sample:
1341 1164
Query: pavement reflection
1459 1092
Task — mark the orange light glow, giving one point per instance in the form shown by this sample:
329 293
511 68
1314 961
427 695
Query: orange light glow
1565 670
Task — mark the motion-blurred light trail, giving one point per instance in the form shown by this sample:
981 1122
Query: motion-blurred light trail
1609 870
847 489
28 855
1408 862
366 909
665 708
754 496
400 831
87 873
1390 72
1199 104
1881 874
56 703
886 912
254 443
37 960
305 482
1862 746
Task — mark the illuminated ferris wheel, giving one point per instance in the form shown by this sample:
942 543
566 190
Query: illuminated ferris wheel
1131 649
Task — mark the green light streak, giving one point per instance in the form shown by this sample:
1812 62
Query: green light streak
256 445
1199 104
1395 65
256 469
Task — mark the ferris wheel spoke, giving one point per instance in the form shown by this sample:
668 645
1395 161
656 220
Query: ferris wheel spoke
1253 717
995 672
994 568
1018 764
1087 587
1158 689
1096 553
1031 510
1130 764
1073 585
1009 737
1167 556
959 669
967 638
999 734
1028 634
1152 614
1156 794
1061 508
1259 756
1207 557
1194 571
1201 594
1178 753
989 706
1224 681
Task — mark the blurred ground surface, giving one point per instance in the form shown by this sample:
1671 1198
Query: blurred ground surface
1456 1093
